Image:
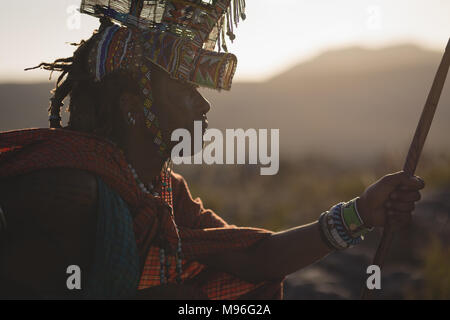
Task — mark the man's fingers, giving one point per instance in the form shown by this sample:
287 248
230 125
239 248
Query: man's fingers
405 196
400 206
394 179
412 183
405 181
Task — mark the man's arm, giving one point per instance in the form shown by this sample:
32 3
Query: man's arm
51 222
51 217
288 251
274 257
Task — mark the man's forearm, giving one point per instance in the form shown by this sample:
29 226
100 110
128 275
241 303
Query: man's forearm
275 257
288 251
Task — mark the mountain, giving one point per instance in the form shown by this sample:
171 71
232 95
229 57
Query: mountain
351 103
24 105
348 103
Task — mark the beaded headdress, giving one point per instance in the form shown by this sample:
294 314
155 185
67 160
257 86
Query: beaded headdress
179 36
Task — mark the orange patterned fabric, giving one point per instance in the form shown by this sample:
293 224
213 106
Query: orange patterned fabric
202 232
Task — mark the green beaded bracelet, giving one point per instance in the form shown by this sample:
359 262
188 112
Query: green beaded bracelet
352 220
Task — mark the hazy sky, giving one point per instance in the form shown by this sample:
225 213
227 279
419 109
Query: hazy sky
275 35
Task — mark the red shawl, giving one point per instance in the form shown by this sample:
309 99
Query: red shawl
202 232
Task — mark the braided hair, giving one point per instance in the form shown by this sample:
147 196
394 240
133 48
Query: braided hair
93 105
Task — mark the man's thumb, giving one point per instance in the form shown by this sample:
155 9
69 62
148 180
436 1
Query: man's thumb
396 178
404 179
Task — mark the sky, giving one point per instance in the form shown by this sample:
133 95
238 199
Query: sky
276 34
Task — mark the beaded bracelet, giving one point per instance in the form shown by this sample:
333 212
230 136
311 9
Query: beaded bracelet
352 220
330 235
342 227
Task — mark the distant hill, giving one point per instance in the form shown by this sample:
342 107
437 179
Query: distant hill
24 105
348 103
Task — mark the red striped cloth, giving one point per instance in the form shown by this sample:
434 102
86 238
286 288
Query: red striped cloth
202 232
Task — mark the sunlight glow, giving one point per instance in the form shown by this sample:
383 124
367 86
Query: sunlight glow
275 35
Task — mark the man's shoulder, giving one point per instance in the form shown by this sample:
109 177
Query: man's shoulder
180 188
73 179
179 184
51 190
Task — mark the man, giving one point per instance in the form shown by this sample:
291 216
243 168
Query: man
100 193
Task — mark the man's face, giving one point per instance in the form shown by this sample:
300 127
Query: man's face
179 104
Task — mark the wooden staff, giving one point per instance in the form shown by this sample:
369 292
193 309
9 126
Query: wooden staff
414 153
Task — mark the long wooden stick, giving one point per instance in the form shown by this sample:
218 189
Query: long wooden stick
414 152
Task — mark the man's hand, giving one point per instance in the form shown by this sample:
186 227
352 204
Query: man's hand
392 196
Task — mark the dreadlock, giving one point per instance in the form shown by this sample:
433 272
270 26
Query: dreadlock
92 104
61 91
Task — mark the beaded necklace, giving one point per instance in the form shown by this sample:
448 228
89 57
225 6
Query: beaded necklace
166 196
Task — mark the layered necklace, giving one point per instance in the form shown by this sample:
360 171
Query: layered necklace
166 196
